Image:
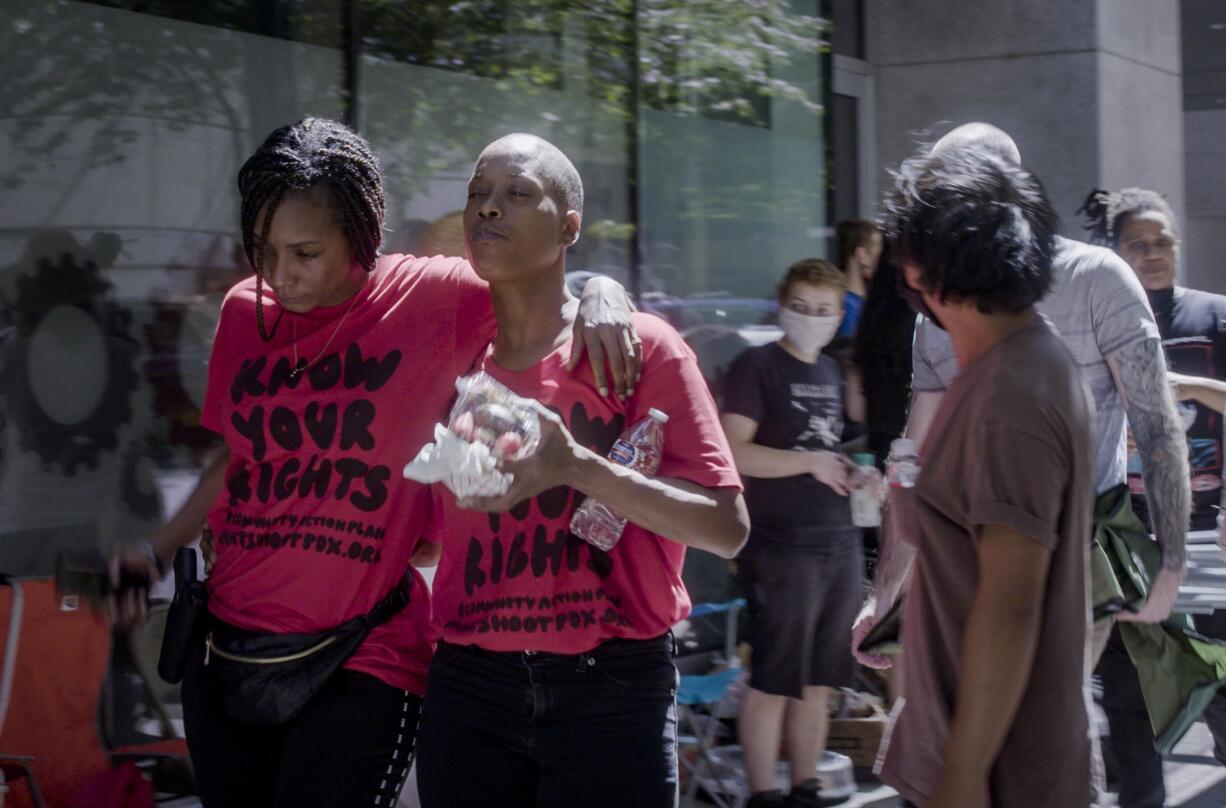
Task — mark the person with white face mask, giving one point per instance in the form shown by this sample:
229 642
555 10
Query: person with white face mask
807 334
784 411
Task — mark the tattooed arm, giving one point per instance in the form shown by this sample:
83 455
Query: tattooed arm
1140 375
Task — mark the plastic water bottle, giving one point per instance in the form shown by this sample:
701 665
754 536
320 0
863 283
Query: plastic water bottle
902 469
640 448
865 511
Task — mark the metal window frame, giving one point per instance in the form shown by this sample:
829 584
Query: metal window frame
853 78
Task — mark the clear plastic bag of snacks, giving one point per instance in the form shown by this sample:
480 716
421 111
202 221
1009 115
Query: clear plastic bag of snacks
488 423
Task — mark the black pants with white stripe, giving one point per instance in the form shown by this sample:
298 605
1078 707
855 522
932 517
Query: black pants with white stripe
351 746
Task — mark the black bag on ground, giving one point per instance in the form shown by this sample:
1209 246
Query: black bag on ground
268 678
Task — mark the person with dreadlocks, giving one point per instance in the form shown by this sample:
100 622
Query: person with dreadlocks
1142 228
329 369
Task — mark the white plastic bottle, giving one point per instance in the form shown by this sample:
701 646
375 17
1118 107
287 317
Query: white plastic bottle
640 448
902 469
865 511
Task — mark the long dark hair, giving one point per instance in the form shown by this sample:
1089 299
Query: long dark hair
979 228
882 354
315 152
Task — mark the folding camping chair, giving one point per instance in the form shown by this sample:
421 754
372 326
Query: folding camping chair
162 755
700 700
160 752
14 767
56 721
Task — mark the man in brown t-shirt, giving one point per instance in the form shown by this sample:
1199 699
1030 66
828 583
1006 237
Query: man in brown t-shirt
996 618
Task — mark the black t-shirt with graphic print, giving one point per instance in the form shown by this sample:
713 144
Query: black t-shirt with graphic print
1192 324
798 406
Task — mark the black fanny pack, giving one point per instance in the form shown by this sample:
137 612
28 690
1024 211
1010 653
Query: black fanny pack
268 679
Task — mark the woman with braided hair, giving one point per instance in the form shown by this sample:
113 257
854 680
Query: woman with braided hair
329 369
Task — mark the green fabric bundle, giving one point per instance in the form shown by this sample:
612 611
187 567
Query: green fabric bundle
1179 669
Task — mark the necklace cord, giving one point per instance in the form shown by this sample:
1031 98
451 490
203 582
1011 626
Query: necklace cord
298 368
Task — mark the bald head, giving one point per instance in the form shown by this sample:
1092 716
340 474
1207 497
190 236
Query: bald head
980 137
549 163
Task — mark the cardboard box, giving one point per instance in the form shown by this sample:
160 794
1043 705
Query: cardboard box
858 738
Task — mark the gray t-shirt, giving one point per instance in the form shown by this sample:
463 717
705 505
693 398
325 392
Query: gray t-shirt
1098 307
1011 445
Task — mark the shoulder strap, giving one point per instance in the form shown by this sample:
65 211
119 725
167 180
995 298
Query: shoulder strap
387 608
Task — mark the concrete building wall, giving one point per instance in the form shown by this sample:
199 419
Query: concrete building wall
1141 141
1140 128
1204 227
1089 89
1203 35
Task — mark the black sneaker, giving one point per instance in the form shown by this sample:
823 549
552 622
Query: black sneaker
766 799
809 795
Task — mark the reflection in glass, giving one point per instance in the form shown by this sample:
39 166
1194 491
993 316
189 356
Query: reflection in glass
118 150
121 140
699 128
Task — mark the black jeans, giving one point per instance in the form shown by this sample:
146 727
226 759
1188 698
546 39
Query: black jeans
1129 751
536 730
351 746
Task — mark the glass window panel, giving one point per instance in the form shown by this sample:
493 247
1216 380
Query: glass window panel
122 137
721 118
700 129
554 69
311 21
733 170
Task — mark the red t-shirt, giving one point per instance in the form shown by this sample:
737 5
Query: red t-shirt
316 523
520 580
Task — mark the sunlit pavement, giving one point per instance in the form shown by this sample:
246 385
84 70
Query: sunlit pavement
1194 779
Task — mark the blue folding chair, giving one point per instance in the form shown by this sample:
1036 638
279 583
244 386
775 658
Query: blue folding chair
699 702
